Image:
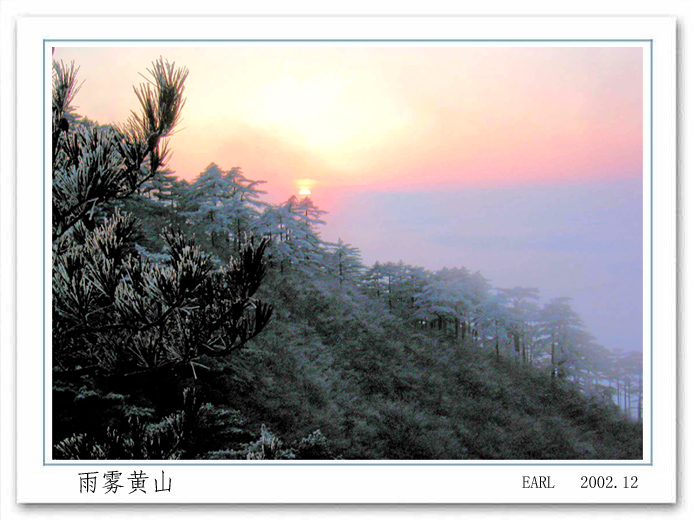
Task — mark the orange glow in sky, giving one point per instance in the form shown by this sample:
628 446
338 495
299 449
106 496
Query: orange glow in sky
523 162
389 118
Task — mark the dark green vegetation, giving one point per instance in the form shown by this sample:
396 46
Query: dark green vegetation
192 320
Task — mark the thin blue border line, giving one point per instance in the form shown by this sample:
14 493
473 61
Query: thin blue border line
347 463
43 274
287 464
651 250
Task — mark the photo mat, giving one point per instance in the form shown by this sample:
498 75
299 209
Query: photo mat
457 340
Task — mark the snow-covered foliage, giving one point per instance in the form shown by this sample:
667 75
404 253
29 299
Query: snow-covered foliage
159 286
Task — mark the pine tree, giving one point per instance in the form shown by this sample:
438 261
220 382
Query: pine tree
223 207
344 262
453 297
295 242
523 312
494 320
125 325
563 334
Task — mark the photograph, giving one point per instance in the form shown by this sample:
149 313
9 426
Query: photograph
347 251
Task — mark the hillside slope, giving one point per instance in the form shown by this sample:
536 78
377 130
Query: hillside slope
335 360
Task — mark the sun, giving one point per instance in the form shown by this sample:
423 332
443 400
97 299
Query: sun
304 186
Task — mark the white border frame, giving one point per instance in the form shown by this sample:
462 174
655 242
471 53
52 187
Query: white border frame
39 483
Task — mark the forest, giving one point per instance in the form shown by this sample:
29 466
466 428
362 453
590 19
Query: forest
194 320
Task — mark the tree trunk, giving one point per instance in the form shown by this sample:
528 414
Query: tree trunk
389 293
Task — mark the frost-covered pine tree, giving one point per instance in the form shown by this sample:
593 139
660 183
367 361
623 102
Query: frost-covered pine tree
494 321
344 262
295 242
223 207
563 335
449 299
523 314
125 325
307 210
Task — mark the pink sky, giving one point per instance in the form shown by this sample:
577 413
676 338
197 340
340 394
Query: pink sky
383 118
524 163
